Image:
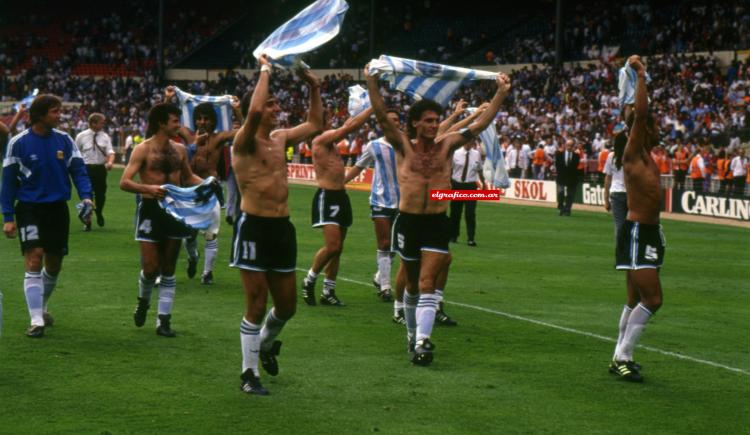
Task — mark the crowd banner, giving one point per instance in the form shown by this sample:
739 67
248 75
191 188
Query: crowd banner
306 172
531 190
711 205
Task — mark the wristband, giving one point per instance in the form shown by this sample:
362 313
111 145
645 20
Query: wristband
266 68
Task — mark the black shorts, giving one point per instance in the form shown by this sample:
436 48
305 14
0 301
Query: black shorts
264 244
331 207
153 224
414 233
640 246
43 225
383 212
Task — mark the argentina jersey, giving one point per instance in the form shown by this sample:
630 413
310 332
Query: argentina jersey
385 191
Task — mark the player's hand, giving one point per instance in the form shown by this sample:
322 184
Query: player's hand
108 166
308 77
460 106
155 191
169 92
607 205
200 140
503 83
635 62
367 72
9 228
263 60
22 109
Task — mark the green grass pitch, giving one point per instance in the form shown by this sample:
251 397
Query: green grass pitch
536 301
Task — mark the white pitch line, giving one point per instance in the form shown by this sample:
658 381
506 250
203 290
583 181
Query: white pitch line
579 332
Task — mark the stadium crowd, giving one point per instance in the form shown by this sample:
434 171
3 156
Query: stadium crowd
697 104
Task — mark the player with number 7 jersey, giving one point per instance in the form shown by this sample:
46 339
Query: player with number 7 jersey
331 209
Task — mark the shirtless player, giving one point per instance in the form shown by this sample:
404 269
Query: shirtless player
331 209
421 230
158 161
264 246
640 242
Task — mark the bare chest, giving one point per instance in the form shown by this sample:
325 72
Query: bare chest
164 161
426 164
326 158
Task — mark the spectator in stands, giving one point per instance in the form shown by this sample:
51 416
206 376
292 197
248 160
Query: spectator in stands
538 160
697 171
739 168
682 158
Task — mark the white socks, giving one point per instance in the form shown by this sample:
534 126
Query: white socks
426 308
328 286
384 269
34 290
250 342
622 326
271 328
210 252
636 324
166 294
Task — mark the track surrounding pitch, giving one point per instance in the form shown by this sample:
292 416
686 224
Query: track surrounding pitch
537 301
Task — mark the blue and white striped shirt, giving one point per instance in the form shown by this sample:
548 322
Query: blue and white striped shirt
385 192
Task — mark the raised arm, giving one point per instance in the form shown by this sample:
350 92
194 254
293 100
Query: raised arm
244 141
393 134
314 121
229 135
484 120
14 122
457 139
350 126
637 137
4 130
469 119
451 120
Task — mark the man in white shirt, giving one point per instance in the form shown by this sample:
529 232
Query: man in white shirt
467 169
739 171
96 147
513 158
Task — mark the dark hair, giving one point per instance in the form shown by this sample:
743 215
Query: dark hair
393 110
205 110
620 139
159 114
41 105
416 111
